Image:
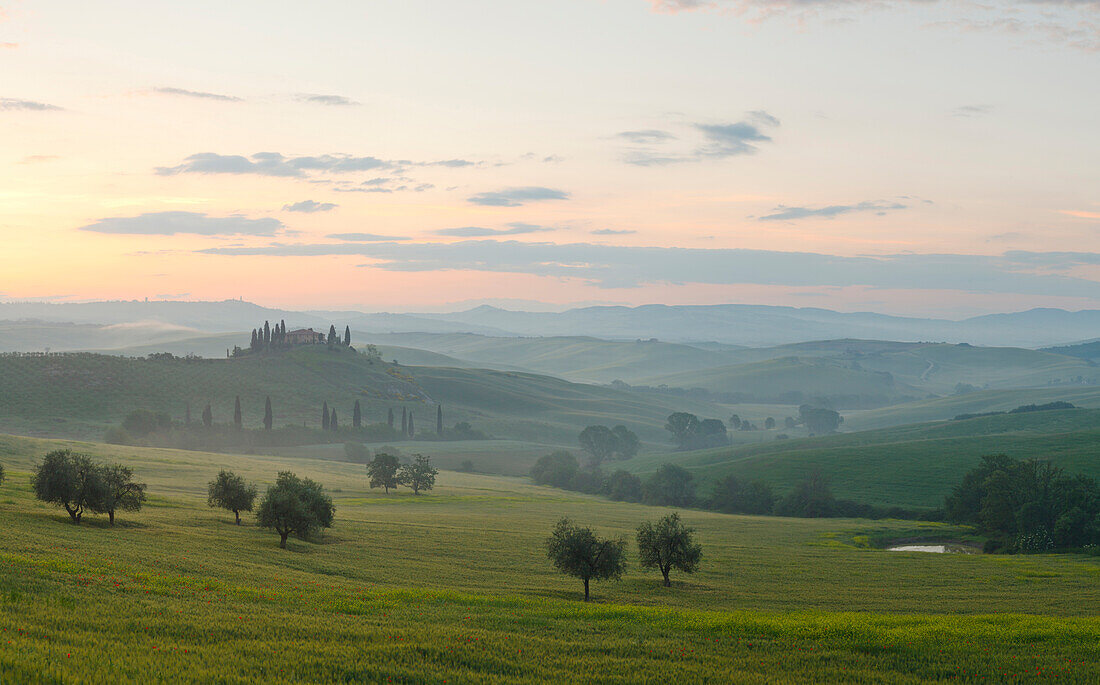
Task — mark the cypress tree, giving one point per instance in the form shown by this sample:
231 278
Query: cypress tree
252 345
324 416
238 418
347 336
389 419
404 421
439 420
269 418
267 333
357 416
410 425
207 417
282 333
332 421
331 334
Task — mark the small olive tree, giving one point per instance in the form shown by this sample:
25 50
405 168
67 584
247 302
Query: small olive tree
419 475
120 491
383 471
229 491
577 552
72 481
668 544
296 506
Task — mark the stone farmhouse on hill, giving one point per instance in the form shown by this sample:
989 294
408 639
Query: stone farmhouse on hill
304 336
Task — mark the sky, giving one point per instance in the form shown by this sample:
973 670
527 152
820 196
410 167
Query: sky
920 157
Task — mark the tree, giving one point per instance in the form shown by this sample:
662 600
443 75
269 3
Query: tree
577 552
735 422
439 420
389 418
331 334
419 475
229 491
556 469
267 333
789 422
711 433
769 423
332 423
72 481
383 471
238 419
347 336
269 417
412 430
207 417
811 498
255 344
734 496
356 452
623 486
670 486
404 421
296 506
668 544
819 419
626 442
324 416
142 422
598 441
120 492
683 427
357 416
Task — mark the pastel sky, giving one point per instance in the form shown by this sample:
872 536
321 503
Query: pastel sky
912 156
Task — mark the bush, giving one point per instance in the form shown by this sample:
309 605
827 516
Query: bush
623 486
117 435
356 452
556 469
671 486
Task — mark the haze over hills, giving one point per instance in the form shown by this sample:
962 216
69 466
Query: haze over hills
753 325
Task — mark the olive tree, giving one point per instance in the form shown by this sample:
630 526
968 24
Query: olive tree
668 544
296 506
599 442
419 475
577 552
120 491
72 481
229 491
383 471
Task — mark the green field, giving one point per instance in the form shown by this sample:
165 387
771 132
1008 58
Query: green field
909 466
454 587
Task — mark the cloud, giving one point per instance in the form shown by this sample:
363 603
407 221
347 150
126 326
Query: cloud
198 94
968 111
713 141
612 231
515 228
330 100
611 266
275 164
364 237
172 223
516 197
785 213
12 105
309 207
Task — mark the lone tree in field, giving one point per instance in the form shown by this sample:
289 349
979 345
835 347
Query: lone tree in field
599 442
229 491
357 416
419 475
668 544
238 418
324 416
207 417
296 506
577 552
269 418
120 492
72 481
383 471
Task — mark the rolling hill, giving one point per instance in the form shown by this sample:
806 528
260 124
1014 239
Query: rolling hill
909 466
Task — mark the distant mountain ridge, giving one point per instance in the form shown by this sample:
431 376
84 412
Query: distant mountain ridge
737 324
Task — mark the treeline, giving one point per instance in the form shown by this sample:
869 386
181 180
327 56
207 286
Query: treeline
675 486
794 397
1023 409
689 432
1028 506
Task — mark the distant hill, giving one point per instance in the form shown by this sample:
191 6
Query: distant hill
1086 350
908 466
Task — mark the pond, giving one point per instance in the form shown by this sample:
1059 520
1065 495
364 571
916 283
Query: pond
937 548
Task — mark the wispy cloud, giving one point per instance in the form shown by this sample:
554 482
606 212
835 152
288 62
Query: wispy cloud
330 100
785 213
970 111
277 164
364 237
649 135
309 207
610 266
194 223
14 104
198 94
612 231
516 197
651 147
515 228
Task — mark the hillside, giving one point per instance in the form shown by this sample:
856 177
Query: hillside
908 466
84 392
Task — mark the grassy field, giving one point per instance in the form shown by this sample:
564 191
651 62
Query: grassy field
454 587
910 466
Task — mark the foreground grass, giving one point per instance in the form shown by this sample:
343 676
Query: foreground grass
454 587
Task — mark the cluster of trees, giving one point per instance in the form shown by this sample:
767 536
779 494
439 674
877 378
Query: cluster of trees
292 506
601 442
80 485
1027 506
691 433
386 472
665 545
267 338
675 486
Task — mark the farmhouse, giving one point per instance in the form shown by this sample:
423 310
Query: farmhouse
304 336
